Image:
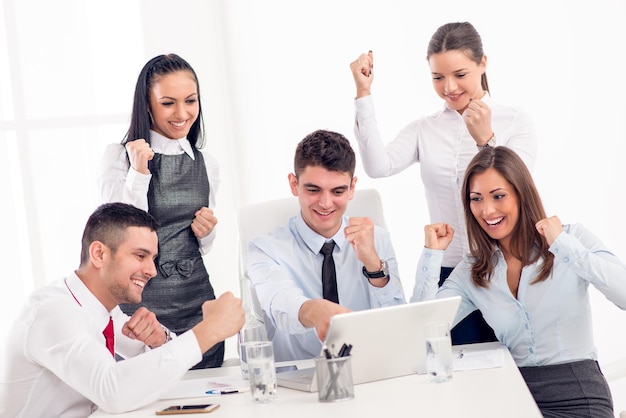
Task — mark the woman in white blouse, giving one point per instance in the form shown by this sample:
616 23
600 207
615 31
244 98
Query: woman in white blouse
530 276
160 168
444 142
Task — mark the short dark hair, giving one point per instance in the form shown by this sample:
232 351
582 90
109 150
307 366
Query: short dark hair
326 149
459 36
152 71
108 224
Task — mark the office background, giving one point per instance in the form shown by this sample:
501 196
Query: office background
270 72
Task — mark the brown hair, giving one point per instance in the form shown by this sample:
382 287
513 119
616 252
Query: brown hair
459 36
527 244
327 149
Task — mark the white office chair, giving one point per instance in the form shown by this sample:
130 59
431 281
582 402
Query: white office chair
261 218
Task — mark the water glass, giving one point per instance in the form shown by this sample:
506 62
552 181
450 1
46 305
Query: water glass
250 332
262 371
438 352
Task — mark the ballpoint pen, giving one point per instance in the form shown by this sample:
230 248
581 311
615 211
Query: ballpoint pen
221 391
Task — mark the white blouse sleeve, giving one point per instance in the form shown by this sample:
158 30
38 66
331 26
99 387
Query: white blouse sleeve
380 160
121 183
213 173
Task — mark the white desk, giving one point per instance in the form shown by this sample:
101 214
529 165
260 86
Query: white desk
497 392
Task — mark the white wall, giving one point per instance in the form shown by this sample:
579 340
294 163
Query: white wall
272 71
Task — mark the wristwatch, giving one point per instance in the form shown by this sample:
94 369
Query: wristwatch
490 143
168 334
383 272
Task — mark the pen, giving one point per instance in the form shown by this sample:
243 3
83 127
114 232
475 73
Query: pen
347 351
327 353
221 391
342 350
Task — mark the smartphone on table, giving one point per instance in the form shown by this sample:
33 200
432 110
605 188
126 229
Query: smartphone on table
188 409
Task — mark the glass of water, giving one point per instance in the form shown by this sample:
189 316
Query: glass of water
262 371
438 352
254 331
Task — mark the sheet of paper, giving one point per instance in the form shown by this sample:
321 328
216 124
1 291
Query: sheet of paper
194 388
481 359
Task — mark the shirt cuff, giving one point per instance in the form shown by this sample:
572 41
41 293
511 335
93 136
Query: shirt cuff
136 181
206 243
364 108
388 295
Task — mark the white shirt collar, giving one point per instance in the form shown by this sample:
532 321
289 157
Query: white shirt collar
83 297
166 146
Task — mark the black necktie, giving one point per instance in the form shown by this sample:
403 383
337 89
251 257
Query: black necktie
329 276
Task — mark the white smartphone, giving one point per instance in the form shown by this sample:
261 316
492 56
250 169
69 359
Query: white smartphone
188 409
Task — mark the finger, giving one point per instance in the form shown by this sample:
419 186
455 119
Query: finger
370 55
139 316
362 65
126 331
204 223
540 226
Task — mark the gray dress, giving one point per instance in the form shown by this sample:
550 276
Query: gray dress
178 188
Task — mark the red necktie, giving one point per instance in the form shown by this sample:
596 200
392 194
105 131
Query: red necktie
109 336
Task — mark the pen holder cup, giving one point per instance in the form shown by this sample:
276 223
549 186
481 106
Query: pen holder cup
334 379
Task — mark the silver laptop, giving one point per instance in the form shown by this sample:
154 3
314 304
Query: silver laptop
386 342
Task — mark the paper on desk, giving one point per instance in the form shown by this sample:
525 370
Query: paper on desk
481 359
195 388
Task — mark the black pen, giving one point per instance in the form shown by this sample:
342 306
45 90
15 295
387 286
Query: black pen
327 353
342 350
346 352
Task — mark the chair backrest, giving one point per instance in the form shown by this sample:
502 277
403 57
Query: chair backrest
261 218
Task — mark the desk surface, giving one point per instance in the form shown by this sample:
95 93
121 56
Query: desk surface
485 393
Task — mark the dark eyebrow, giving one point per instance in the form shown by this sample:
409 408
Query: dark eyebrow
460 70
339 188
171 98
490 191
145 251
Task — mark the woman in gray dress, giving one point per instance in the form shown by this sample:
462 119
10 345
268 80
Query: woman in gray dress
159 167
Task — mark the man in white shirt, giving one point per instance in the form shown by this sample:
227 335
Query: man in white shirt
60 356
286 266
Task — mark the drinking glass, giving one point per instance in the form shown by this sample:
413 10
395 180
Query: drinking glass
262 371
254 331
438 352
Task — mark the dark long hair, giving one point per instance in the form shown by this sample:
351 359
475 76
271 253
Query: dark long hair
527 244
459 36
140 122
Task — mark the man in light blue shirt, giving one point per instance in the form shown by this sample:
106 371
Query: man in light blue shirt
285 266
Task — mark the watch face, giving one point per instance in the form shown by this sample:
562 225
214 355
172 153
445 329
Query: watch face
384 268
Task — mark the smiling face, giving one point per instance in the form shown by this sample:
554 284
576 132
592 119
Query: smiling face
126 271
174 104
494 204
323 197
457 78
